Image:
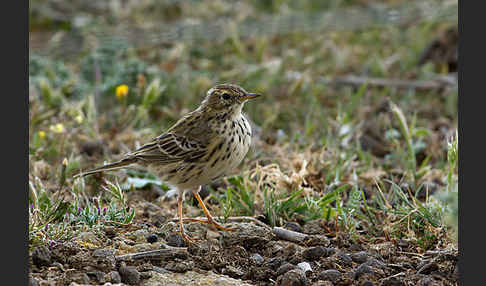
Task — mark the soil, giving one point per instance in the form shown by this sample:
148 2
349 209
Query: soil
253 254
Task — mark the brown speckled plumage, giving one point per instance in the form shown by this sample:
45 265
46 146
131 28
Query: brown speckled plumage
202 146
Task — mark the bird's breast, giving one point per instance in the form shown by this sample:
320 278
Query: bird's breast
236 140
225 152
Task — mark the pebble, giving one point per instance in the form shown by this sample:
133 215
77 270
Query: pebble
114 277
104 258
158 220
402 243
98 275
305 266
129 274
367 283
284 268
274 263
78 277
362 269
331 274
314 253
330 251
176 240
151 238
392 281
256 258
345 258
232 271
139 236
375 263
110 231
295 260
294 277
355 247
293 226
359 257
41 256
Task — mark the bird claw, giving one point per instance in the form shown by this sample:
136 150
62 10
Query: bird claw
188 239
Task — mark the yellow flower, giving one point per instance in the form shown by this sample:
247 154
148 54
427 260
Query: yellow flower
121 91
79 119
58 128
42 134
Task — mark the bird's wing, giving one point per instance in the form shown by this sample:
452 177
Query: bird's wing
170 148
188 140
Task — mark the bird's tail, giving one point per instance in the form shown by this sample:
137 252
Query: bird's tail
112 166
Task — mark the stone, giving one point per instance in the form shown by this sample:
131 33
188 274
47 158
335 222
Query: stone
41 256
151 238
293 226
114 277
332 275
176 240
362 269
305 266
78 277
359 257
314 253
284 268
294 277
256 258
129 275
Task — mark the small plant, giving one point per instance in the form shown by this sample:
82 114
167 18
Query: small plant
412 136
152 93
52 218
408 216
237 200
282 207
450 196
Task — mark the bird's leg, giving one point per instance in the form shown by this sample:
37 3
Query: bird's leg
187 238
210 220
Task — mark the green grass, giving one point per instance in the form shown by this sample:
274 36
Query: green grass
300 117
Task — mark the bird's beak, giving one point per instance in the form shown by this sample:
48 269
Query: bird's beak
251 96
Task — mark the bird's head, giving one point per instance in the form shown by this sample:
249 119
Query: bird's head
227 98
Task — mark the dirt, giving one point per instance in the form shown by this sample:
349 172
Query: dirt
251 255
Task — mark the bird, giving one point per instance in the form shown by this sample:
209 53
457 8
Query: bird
201 147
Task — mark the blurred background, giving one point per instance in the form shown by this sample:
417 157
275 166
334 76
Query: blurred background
360 96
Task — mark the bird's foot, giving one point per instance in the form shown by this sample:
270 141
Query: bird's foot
187 238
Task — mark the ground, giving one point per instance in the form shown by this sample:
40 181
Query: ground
352 174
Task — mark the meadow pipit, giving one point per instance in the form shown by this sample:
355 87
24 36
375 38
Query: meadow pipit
204 145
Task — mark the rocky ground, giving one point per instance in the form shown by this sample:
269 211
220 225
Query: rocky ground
150 252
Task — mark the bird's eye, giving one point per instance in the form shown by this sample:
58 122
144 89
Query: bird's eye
225 96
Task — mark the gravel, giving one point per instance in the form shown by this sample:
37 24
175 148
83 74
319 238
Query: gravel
176 240
331 275
294 277
41 256
129 275
151 238
314 253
